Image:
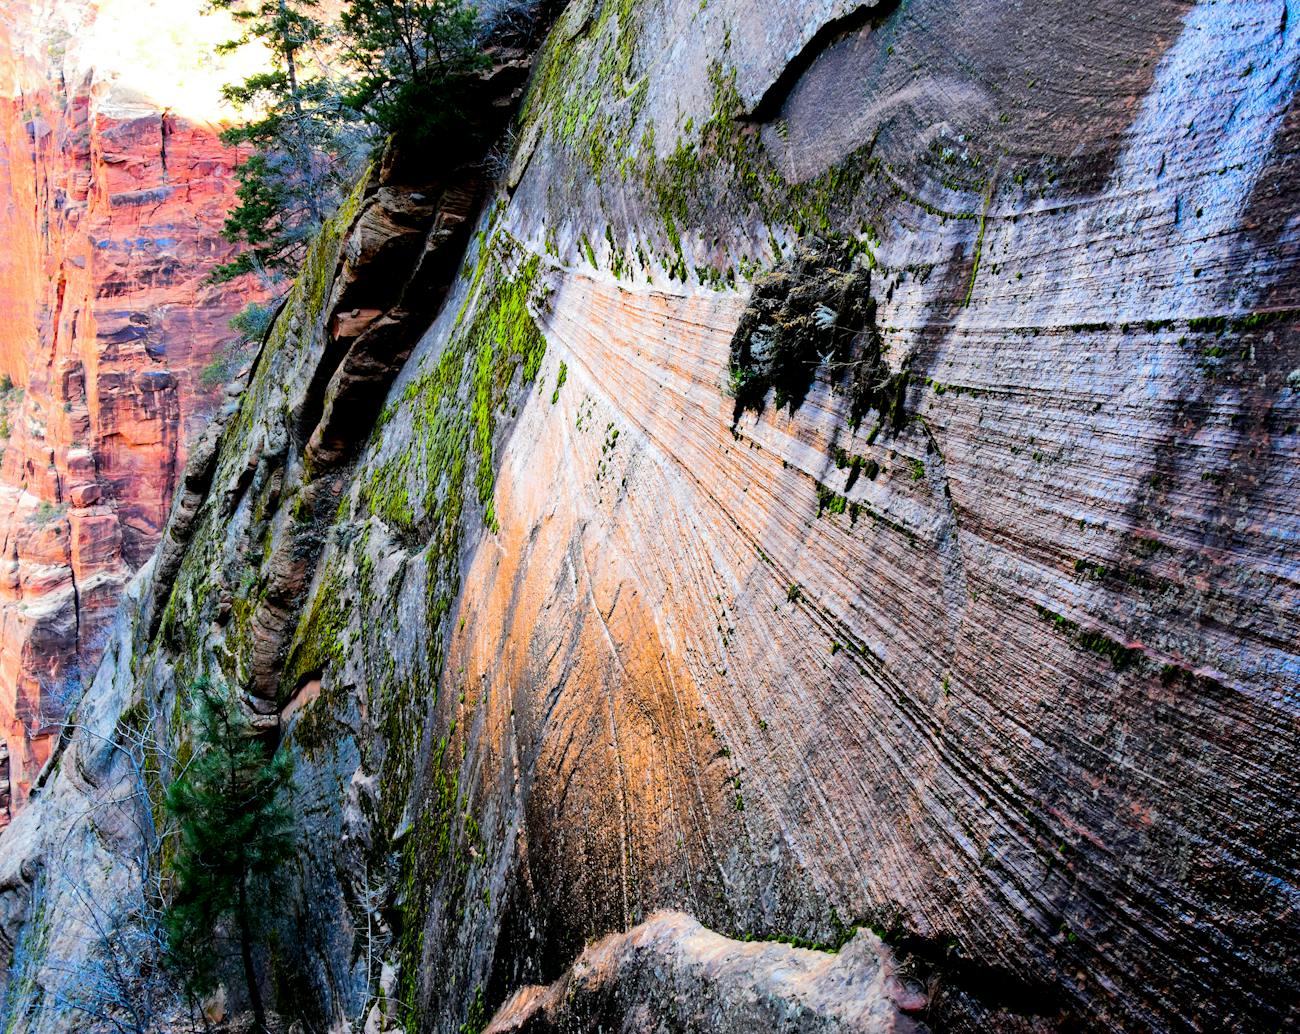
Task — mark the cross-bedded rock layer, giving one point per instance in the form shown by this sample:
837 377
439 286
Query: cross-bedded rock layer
979 632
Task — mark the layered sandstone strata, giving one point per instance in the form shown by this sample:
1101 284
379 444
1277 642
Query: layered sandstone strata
111 348
851 485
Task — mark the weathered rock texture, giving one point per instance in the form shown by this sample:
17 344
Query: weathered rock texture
112 210
671 974
975 627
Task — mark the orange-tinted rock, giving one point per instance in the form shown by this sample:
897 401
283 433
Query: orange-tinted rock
106 324
85 495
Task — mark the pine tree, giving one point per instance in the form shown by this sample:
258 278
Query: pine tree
293 178
235 831
413 59
411 64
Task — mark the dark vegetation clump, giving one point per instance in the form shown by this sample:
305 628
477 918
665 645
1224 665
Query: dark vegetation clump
813 313
414 65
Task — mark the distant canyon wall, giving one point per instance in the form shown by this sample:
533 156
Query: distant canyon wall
111 207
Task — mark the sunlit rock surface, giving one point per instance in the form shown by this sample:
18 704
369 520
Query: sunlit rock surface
573 629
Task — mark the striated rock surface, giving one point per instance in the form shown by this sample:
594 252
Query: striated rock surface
112 348
850 485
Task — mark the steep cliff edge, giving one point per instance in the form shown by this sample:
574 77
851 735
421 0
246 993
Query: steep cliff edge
112 350
850 484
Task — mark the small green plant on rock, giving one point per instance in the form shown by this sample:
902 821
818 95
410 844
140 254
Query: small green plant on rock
559 382
252 321
47 512
216 372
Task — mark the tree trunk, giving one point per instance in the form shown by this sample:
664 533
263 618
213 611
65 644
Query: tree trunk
246 953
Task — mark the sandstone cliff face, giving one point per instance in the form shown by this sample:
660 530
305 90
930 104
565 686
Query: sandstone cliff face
113 207
850 484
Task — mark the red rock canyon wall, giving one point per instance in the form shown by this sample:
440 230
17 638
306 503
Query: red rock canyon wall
109 225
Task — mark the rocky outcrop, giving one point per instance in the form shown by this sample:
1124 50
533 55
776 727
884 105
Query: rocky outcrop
670 973
849 486
113 352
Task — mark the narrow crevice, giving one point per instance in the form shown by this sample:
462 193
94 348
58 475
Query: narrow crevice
165 130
